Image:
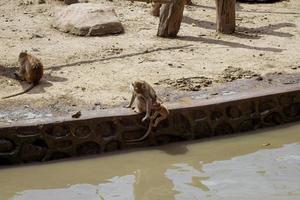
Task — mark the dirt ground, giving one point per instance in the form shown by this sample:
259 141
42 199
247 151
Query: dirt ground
94 72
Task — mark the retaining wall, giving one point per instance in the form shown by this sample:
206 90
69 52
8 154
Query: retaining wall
108 130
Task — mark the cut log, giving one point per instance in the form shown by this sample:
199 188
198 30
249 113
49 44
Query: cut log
170 18
225 16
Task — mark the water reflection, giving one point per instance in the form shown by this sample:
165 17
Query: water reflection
265 174
115 188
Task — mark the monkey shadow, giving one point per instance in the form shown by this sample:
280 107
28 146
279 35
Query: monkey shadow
44 83
40 88
7 71
51 78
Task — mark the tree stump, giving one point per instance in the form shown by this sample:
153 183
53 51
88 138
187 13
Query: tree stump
170 18
189 2
225 16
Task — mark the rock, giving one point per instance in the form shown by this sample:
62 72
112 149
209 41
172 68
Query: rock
88 19
76 115
69 2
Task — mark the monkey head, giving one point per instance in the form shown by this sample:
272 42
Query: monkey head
138 86
22 55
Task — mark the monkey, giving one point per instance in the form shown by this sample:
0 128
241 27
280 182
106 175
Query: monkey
31 71
145 96
158 109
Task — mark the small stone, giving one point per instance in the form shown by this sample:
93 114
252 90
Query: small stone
41 1
259 78
97 104
34 35
69 2
294 67
76 115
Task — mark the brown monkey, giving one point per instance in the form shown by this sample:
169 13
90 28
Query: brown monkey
158 109
145 96
31 71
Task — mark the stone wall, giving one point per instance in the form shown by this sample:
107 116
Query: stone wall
109 130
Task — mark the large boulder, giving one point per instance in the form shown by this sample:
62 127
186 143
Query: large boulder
88 19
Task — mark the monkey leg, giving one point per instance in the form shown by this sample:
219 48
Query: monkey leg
137 110
156 113
19 76
159 119
148 109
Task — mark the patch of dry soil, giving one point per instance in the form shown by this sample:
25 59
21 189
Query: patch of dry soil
85 73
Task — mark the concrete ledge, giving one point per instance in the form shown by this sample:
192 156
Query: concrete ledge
107 130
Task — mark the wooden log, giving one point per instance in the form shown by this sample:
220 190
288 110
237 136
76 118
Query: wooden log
170 18
225 16
156 6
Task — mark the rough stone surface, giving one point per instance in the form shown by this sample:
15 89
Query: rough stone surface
88 19
69 2
111 129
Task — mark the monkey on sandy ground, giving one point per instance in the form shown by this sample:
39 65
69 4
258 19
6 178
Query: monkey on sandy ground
31 71
145 96
159 110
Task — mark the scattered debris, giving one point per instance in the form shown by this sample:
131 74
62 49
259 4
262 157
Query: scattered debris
189 83
41 1
233 73
266 144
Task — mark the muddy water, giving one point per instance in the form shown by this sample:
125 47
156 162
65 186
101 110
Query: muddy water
260 165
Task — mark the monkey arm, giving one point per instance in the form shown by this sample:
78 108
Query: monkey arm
131 101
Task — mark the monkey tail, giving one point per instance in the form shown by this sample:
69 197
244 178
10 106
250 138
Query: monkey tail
146 134
23 92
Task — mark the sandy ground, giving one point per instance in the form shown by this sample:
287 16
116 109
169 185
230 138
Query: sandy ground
96 71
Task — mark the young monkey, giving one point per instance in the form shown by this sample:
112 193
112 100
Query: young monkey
31 71
145 96
158 109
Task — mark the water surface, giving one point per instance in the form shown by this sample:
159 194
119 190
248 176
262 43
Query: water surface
256 166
